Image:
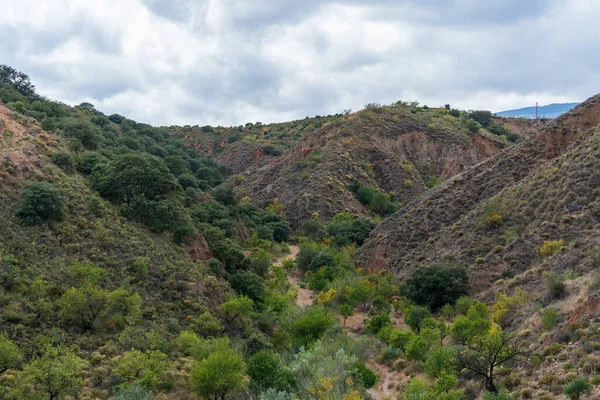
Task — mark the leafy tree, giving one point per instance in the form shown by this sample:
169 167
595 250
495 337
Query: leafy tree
40 202
472 125
177 165
365 194
361 293
346 310
576 388
225 195
265 371
217 371
364 375
82 306
144 368
64 160
260 263
378 322
236 307
248 284
481 116
188 341
55 373
83 131
439 359
17 79
381 204
414 316
484 356
476 322
89 161
310 325
123 307
10 355
437 285
417 348
136 175
321 259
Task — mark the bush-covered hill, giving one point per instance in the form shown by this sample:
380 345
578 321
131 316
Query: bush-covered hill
394 152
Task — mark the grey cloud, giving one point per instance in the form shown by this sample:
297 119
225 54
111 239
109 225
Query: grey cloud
231 61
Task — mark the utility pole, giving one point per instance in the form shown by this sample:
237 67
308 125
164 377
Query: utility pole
536 110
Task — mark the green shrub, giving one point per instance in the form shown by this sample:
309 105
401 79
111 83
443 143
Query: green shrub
576 388
555 286
364 375
437 285
378 322
414 316
549 318
64 160
41 202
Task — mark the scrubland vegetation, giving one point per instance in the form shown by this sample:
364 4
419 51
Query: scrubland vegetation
133 267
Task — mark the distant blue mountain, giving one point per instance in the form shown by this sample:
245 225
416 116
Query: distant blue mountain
548 111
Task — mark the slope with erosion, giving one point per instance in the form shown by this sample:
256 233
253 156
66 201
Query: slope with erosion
92 229
240 147
392 149
467 220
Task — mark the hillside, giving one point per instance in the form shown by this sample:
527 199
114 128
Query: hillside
397 150
548 111
449 223
371 255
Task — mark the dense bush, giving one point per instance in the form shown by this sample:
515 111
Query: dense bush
41 202
437 285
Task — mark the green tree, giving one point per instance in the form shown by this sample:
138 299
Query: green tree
55 373
64 160
364 375
577 387
484 356
124 307
83 131
236 307
346 310
144 368
40 202
17 79
439 359
310 325
414 316
10 355
378 322
248 284
265 372
365 194
437 285
218 371
381 204
83 306
133 176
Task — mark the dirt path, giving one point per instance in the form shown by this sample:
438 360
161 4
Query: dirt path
305 296
388 379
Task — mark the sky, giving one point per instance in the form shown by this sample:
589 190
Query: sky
229 62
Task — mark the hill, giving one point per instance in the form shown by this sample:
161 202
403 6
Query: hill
427 227
399 150
548 111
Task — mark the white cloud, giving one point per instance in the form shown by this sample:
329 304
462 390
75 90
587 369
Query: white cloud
233 61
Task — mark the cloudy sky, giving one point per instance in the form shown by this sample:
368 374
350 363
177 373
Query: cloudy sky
227 62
